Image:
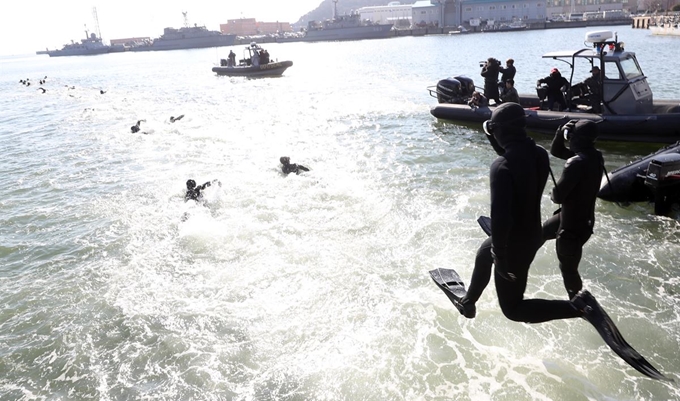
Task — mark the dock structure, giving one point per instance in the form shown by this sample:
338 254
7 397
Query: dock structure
642 21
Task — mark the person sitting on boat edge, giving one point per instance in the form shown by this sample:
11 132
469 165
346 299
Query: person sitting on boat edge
556 85
478 100
510 93
195 192
288 167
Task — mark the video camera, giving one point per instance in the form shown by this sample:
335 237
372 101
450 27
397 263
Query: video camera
493 60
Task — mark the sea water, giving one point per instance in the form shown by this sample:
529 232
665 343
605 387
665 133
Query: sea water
309 287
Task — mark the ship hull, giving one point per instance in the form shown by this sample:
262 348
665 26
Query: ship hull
83 52
665 30
188 43
349 33
265 70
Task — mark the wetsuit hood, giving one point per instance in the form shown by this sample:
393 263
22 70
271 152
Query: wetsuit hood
584 136
509 121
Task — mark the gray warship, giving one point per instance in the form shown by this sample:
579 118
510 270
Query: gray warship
187 37
345 27
90 46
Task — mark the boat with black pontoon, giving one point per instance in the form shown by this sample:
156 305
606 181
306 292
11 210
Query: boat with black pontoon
255 63
628 110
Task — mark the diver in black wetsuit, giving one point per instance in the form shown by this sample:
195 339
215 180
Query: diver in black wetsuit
576 191
195 192
517 180
288 167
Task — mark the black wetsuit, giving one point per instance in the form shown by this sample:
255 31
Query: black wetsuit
195 193
517 180
576 191
293 168
594 84
490 74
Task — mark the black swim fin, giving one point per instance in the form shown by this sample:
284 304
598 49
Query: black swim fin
485 223
595 315
450 282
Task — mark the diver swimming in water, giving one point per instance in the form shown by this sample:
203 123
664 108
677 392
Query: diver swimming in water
288 167
173 119
135 128
195 192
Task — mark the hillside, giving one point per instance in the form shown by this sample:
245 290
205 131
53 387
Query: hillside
325 9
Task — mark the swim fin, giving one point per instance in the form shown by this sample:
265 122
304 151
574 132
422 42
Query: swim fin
485 223
450 282
595 315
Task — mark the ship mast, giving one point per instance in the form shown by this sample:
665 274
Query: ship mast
96 22
186 19
335 9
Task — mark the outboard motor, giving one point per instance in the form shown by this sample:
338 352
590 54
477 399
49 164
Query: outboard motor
449 91
663 178
223 62
467 85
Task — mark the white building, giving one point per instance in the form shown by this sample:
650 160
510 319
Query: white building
424 13
393 13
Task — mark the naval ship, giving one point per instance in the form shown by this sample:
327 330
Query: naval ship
91 45
345 27
187 37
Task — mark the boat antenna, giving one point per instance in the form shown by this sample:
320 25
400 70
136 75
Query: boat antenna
186 19
96 22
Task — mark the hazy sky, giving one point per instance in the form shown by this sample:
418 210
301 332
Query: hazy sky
30 25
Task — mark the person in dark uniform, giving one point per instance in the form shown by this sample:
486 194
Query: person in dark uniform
576 191
196 192
517 180
490 72
135 128
287 167
508 72
594 85
557 85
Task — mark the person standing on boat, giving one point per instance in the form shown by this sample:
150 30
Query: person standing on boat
509 92
594 85
517 179
231 60
507 72
255 58
557 85
490 71
576 191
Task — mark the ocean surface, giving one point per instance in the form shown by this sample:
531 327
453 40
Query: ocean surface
309 287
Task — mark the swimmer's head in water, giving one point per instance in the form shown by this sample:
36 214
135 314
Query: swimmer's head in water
285 160
191 184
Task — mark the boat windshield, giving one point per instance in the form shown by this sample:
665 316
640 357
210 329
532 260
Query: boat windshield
630 68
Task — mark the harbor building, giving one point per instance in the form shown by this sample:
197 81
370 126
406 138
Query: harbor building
250 26
395 13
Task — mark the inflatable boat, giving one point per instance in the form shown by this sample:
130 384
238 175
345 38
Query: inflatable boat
653 178
627 110
253 64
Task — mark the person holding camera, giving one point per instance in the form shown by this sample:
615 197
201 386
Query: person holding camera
576 190
490 71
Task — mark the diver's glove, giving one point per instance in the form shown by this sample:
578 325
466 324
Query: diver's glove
502 267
